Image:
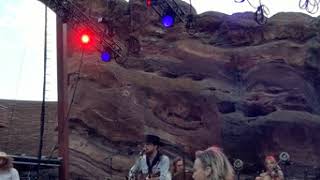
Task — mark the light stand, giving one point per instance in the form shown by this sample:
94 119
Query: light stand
284 159
238 166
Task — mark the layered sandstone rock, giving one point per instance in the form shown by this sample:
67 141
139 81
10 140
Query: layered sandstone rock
252 89
258 83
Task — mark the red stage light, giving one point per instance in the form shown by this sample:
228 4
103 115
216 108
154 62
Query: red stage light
149 3
85 39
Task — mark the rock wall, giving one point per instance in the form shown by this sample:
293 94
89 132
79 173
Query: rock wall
252 89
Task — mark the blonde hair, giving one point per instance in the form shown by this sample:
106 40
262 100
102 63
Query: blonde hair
215 159
8 161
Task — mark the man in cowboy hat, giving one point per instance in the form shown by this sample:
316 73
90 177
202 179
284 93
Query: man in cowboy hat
7 172
152 164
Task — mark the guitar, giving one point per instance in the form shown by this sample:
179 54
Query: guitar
141 176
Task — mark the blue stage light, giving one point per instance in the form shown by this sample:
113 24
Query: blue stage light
167 21
105 56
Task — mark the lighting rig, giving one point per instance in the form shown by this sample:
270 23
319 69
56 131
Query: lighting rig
170 12
72 14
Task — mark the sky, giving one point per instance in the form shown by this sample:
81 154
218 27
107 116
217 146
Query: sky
22 49
22 42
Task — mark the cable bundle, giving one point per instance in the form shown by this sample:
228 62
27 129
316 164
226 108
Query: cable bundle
311 6
261 13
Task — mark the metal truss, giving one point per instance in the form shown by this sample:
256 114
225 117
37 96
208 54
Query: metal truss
162 6
72 14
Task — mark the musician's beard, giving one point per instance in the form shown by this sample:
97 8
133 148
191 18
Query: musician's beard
151 152
148 153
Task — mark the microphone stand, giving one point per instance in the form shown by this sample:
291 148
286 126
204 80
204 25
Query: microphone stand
305 174
238 175
184 167
285 171
110 163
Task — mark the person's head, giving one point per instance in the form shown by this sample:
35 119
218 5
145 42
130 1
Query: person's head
5 161
270 163
151 144
212 164
178 165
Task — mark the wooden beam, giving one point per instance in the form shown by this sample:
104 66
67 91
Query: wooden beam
63 122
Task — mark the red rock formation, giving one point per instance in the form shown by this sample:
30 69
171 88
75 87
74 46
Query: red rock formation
252 89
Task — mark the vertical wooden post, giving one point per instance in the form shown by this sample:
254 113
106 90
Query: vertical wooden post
63 122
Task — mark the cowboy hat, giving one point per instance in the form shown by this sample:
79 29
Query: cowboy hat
4 155
153 139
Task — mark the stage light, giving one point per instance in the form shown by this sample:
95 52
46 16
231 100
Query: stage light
167 21
238 164
168 17
85 39
149 3
106 56
284 157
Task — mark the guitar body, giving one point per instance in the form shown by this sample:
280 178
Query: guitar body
141 176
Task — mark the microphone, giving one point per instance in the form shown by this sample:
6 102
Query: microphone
142 152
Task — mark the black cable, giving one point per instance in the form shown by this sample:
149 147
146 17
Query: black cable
311 6
261 13
12 112
190 24
241 1
43 109
251 4
76 85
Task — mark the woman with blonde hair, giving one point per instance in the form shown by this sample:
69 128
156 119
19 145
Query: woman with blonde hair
212 164
7 172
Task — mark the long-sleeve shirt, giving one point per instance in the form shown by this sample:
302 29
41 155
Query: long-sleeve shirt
162 167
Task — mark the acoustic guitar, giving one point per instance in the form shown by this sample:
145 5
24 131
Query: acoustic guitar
140 176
